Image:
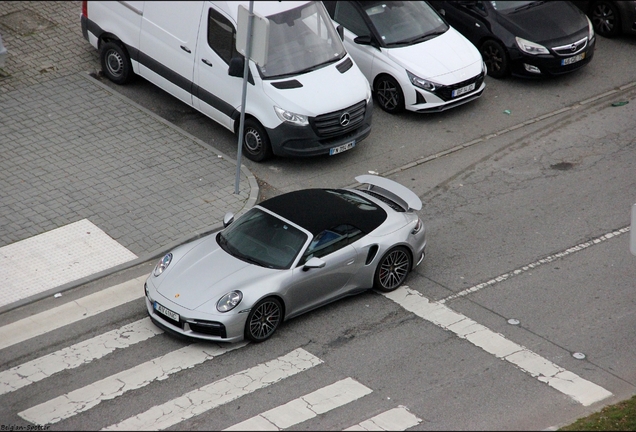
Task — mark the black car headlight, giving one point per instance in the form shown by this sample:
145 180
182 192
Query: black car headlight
530 47
162 264
229 301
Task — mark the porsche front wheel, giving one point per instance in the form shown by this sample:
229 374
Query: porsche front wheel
263 320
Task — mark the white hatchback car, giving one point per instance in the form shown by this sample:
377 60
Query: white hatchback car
411 57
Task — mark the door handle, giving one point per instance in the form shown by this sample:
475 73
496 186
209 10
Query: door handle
186 49
351 262
206 62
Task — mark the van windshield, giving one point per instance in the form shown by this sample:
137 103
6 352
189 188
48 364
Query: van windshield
300 40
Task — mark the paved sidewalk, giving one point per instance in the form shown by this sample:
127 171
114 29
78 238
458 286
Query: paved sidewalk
75 150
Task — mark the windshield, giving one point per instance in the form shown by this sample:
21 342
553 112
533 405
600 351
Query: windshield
300 40
404 22
513 5
262 239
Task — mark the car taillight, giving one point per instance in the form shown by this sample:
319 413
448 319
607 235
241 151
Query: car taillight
85 8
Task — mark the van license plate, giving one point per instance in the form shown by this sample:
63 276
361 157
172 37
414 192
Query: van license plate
574 59
340 149
461 91
167 312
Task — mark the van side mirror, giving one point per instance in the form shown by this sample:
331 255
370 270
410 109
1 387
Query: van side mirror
340 30
237 64
228 219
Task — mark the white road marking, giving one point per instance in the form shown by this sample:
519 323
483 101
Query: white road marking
396 419
56 257
87 397
579 389
76 355
220 392
536 264
71 312
305 407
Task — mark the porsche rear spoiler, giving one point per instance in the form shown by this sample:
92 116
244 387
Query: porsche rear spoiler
391 190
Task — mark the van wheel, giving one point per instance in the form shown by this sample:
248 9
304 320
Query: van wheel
116 63
256 145
389 94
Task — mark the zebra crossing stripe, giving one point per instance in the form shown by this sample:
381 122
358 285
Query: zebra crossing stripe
76 355
305 407
220 392
71 312
87 397
396 419
579 389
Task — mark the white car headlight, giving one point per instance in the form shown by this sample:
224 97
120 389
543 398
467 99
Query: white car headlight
290 117
422 83
530 47
229 301
162 264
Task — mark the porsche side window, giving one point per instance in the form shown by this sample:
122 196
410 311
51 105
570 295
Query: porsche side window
221 36
330 241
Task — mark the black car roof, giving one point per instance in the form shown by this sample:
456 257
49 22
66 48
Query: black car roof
319 209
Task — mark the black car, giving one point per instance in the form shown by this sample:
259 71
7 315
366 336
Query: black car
524 38
610 18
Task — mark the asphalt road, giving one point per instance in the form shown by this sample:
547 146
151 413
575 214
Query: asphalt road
526 222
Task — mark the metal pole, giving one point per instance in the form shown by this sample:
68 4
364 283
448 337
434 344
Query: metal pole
248 54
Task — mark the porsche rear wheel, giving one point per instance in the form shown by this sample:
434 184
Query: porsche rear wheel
263 320
392 269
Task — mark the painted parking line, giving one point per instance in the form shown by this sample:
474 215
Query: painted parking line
71 312
305 407
220 392
579 389
160 368
54 258
77 355
396 419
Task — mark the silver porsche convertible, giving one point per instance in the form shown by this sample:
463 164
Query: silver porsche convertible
286 256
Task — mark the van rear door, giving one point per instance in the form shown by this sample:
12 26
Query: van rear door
167 45
216 94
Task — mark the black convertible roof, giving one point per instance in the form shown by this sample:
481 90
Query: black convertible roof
319 209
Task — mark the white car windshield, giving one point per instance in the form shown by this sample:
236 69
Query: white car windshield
301 40
404 22
262 239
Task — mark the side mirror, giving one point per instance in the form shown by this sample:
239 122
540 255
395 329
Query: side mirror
237 64
314 262
340 30
363 40
228 219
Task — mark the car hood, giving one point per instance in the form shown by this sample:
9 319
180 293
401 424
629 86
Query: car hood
550 21
446 59
205 273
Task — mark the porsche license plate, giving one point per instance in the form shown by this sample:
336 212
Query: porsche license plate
340 149
573 59
167 312
461 91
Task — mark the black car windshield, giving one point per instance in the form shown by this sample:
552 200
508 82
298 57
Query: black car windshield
263 239
300 40
511 6
404 22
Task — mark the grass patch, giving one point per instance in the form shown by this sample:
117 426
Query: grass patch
619 417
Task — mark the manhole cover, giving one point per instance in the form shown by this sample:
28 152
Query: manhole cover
562 166
25 22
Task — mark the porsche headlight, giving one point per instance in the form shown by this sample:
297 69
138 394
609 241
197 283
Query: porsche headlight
422 83
530 47
290 117
229 301
162 264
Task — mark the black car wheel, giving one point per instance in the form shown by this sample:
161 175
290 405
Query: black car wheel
389 94
392 269
495 57
263 320
256 145
605 18
116 63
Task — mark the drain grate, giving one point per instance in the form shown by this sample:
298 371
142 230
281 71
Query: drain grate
25 22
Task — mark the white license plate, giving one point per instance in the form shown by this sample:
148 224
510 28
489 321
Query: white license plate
344 147
461 91
166 312
574 59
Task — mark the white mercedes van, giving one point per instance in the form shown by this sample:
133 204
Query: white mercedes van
308 99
